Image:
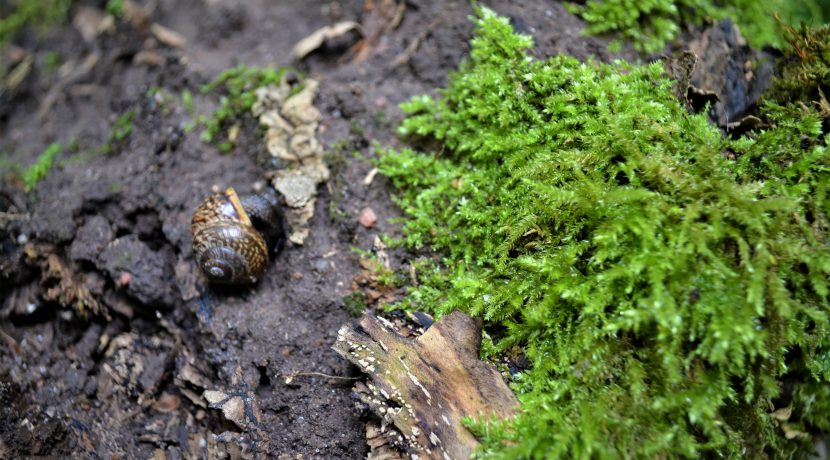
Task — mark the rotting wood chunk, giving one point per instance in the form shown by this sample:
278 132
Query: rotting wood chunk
426 386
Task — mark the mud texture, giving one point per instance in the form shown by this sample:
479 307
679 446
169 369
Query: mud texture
112 229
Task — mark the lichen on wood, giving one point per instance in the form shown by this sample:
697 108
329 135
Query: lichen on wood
425 387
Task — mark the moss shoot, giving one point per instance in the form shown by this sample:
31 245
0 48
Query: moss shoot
239 85
668 286
36 172
649 25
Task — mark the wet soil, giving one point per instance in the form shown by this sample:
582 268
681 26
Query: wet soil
128 383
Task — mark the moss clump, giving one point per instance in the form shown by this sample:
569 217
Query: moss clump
805 75
36 172
239 86
661 290
649 25
28 13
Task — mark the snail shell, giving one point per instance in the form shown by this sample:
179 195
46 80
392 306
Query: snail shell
233 235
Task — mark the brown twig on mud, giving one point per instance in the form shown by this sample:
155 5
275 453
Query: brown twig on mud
404 56
72 76
289 377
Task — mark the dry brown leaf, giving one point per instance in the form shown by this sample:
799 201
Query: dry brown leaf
169 37
320 36
62 287
782 414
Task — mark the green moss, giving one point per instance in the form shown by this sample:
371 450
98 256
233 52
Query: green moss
649 25
238 86
28 13
36 172
115 8
661 291
122 128
805 74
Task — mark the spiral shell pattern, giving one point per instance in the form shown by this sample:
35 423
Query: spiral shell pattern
226 247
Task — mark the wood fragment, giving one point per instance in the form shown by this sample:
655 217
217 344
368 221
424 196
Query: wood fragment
426 386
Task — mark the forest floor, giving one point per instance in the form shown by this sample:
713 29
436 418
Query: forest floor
115 227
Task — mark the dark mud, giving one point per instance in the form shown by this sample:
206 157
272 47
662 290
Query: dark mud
118 225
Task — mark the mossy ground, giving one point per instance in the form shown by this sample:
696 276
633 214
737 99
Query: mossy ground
649 25
662 280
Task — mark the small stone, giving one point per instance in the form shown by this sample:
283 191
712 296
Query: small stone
297 276
367 217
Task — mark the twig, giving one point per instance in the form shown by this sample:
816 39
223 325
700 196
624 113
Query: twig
291 376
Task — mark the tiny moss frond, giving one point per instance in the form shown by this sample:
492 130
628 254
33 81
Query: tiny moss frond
238 86
36 172
660 290
649 25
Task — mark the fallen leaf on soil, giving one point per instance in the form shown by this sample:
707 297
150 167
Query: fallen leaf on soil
239 405
782 414
134 366
168 37
62 287
92 22
367 217
291 122
136 15
149 58
320 36
426 386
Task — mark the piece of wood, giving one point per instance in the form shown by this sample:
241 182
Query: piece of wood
426 386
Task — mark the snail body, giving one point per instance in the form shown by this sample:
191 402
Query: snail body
234 235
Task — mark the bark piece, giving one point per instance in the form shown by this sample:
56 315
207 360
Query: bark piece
426 386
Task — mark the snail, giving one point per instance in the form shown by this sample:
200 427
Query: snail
233 235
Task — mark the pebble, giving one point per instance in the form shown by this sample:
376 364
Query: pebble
367 217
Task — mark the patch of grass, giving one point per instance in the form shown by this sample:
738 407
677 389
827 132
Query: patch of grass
649 25
238 86
36 172
121 129
355 303
39 15
187 101
52 61
661 291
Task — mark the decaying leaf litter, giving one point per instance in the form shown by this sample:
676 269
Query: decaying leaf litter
116 347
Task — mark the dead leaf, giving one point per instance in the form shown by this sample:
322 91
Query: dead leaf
62 287
782 414
169 37
91 22
136 15
426 386
320 36
149 58
291 135
792 433
239 405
